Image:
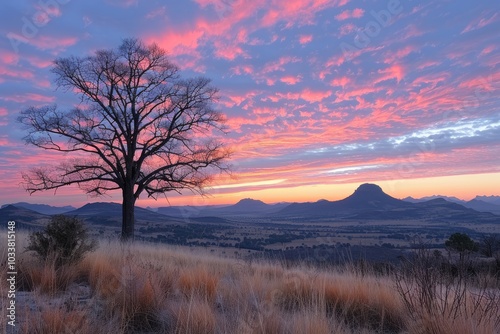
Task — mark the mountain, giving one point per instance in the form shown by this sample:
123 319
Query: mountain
187 211
42 208
428 198
245 206
476 203
22 216
489 199
369 202
483 206
249 206
103 213
367 197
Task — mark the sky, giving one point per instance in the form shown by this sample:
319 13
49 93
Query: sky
320 96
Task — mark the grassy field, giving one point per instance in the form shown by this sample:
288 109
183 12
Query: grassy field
150 288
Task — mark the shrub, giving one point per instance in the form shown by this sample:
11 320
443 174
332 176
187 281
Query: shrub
64 240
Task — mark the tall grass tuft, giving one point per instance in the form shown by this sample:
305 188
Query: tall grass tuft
194 316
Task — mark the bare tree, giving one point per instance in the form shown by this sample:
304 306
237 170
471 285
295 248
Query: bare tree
139 127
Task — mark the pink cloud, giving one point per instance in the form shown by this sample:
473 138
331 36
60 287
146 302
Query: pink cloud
229 52
341 81
3 111
15 72
487 50
349 14
29 97
335 61
296 11
45 42
347 29
39 62
8 57
279 65
480 23
304 39
346 95
291 80
393 72
314 95
428 63
393 56
242 69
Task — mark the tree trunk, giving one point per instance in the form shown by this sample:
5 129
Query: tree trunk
128 216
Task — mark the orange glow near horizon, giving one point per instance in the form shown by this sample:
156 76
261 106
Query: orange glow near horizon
464 187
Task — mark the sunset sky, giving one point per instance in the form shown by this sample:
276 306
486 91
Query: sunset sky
320 96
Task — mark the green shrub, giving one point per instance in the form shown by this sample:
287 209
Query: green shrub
64 240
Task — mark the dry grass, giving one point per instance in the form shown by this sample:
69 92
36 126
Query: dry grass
198 282
194 316
154 288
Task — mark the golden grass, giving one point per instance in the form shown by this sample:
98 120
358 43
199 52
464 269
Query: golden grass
198 282
195 316
155 288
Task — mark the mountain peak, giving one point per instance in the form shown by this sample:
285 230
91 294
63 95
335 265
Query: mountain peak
369 188
250 201
370 195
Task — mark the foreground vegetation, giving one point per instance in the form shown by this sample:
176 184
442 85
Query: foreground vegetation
147 288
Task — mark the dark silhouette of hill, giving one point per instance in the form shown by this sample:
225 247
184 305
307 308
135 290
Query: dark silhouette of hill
187 211
489 199
43 208
428 198
475 204
250 206
369 202
368 197
23 217
107 213
245 206
483 206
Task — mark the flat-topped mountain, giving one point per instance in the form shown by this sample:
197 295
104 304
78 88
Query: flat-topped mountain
365 198
370 196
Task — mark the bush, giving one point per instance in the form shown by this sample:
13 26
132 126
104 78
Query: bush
64 240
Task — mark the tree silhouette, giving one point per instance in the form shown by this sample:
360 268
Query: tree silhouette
139 128
461 243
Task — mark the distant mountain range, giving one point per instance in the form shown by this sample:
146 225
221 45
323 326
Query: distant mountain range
368 202
42 208
479 203
245 207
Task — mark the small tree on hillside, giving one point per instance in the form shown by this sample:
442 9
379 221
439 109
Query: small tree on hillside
139 128
461 243
64 240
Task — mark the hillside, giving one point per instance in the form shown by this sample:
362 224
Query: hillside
24 218
145 288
